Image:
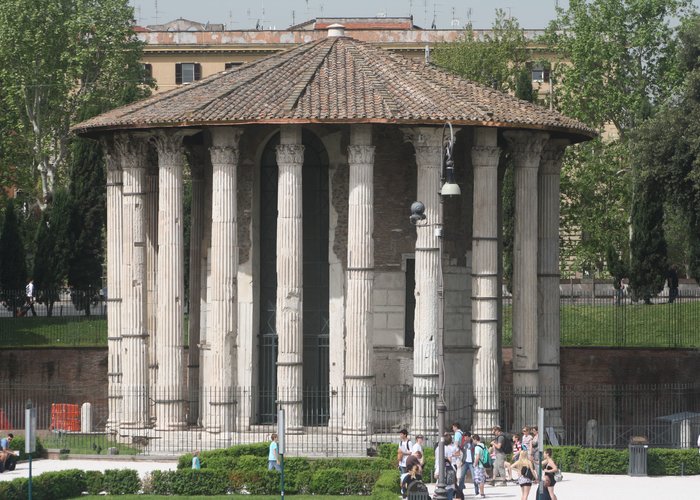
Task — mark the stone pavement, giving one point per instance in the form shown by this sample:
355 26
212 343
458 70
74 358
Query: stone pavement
606 487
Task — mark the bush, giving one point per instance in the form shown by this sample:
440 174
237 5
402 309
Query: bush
188 482
58 485
121 482
669 462
224 455
94 482
14 490
388 451
566 457
18 444
337 481
603 461
387 485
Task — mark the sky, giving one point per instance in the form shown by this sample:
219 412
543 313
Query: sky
280 14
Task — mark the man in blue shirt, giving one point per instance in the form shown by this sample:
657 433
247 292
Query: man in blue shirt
5 442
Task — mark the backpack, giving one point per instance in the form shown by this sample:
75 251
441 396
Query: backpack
484 457
507 445
463 443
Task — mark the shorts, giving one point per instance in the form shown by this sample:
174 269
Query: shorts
479 475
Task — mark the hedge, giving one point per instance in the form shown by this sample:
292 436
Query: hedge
72 483
187 482
17 443
660 461
224 455
389 452
387 485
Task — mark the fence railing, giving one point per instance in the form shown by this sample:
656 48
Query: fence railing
598 316
595 416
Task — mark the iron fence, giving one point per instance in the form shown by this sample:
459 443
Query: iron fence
593 416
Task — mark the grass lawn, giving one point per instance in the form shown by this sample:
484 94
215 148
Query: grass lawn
57 331
635 325
85 444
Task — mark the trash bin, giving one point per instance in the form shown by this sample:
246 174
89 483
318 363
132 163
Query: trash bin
638 460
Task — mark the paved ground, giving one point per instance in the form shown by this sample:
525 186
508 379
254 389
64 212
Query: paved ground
573 487
39 466
584 487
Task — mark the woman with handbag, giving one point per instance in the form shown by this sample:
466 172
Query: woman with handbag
551 471
528 474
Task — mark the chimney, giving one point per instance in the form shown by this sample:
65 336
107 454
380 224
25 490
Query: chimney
336 30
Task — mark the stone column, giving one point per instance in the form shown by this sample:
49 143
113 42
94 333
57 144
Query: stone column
219 374
133 151
114 285
359 375
526 149
151 267
485 282
289 320
548 280
197 160
169 395
427 143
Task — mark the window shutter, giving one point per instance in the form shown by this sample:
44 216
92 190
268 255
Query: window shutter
197 71
147 72
545 75
178 73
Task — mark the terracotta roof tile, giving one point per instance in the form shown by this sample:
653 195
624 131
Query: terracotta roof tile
334 80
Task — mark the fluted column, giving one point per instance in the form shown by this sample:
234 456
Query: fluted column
169 402
197 160
526 149
133 151
485 283
151 277
220 371
548 280
114 285
427 143
359 375
289 320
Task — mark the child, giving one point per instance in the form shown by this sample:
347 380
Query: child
273 456
196 463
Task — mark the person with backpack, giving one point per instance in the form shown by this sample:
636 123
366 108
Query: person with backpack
467 448
481 461
500 444
404 450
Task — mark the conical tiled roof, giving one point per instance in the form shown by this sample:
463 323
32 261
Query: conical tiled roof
334 80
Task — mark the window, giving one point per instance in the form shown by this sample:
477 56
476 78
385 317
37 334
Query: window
147 72
187 72
540 74
232 65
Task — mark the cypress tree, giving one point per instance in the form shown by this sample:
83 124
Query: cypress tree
87 220
13 267
647 244
52 250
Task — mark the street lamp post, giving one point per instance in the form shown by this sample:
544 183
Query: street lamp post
449 188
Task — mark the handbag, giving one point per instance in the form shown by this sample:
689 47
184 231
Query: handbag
558 476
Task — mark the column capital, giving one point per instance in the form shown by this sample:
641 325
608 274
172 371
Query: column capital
110 153
526 147
224 155
360 155
552 156
427 143
290 154
485 156
169 145
132 150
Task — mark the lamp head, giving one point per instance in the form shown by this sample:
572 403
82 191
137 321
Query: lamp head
417 212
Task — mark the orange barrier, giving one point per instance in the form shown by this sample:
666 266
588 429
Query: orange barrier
65 417
4 421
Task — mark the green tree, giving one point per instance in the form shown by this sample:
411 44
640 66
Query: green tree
87 218
13 268
57 58
496 59
617 65
648 246
53 247
667 147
